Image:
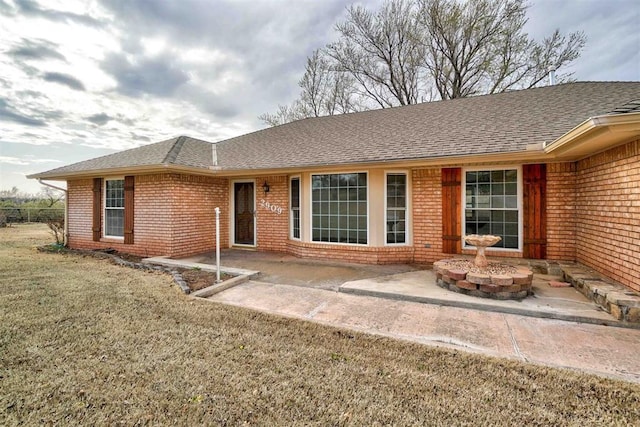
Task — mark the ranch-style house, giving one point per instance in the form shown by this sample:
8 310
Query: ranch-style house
554 171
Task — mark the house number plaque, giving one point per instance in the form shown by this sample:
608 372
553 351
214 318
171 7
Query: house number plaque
273 208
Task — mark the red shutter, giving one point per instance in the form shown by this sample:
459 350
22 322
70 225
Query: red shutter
128 209
97 209
451 213
534 201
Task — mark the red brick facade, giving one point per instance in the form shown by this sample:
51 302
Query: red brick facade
608 213
193 203
427 215
272 214
174 215
561 211
357 254
592 213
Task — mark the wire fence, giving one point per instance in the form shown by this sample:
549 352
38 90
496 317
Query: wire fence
24 215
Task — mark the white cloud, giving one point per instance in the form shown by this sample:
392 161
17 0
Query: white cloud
27 160
13 161
153 70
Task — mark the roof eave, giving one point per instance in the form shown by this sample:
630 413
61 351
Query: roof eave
533 155
595 135
127 170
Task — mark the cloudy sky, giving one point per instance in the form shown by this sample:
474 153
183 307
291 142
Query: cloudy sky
80 79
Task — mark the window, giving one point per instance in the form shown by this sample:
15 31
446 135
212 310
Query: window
295 208
491 205
114 208
396 208
339 208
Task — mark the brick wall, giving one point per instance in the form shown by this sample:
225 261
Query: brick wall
272 217
80 208
561 211
351 253
173 215
193 202
608 213
427 215
152 217
593 217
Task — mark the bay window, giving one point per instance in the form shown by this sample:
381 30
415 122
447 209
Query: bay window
295 208
339 208
396 208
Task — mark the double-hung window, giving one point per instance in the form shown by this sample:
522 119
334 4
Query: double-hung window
295 208
114 208
339 208
491 205
396 214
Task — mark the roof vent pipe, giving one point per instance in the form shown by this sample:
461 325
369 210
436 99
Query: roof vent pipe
552 76
214 154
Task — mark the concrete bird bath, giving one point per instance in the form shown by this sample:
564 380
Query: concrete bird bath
482 278
481 242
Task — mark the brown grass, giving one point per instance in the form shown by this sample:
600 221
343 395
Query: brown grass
83 341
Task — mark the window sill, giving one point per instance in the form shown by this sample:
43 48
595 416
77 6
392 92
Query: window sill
112 239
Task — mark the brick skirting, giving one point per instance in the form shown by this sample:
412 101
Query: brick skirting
351 253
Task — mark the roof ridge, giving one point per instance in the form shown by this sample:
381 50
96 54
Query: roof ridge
172 155
419 105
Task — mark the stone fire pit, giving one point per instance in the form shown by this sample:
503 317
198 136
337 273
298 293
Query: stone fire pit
496 280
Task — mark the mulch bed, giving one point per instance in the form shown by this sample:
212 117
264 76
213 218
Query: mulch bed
200 279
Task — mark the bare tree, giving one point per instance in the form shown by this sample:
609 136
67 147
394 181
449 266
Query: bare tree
480 46
285 114
14 193
555 52
56 226
325 92
410 49
50 196
383 52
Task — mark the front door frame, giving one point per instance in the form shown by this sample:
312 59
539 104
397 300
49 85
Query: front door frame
232 192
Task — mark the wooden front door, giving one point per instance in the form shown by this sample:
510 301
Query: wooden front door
244 213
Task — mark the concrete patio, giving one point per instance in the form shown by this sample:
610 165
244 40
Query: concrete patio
401 282
556 327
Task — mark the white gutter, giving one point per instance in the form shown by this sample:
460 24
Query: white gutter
595 126
128 170
66 209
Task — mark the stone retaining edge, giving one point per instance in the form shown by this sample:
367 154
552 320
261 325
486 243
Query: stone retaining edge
616 299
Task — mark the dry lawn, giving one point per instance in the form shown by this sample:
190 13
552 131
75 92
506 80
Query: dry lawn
83 341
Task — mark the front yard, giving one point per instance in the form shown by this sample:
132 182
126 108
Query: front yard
83 341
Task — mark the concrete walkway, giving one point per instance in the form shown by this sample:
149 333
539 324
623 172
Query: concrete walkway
555 327
547 302
598 349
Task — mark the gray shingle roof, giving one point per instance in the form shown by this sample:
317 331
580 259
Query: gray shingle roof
182 150
499 123
489 124
630 107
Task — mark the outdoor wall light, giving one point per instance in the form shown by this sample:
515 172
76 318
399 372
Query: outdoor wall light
265 187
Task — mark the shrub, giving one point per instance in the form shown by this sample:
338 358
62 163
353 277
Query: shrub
57 229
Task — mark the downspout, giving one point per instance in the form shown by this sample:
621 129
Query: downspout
66 209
